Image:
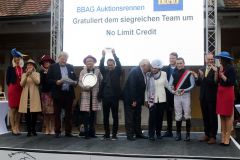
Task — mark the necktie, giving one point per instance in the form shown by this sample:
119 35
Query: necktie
207 70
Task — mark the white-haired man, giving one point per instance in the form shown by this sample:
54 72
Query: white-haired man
62 92
134 91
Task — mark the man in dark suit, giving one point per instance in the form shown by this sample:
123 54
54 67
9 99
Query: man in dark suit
207 80
110 92
62 92
134 91
170 69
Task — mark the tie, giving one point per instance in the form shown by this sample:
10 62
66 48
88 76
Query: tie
207 70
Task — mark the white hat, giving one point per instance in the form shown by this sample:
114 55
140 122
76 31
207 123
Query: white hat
157 64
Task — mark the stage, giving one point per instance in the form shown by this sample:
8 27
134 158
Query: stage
48 147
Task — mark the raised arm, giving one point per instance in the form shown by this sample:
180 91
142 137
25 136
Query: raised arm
101 66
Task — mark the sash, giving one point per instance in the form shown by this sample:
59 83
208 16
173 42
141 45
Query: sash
182 79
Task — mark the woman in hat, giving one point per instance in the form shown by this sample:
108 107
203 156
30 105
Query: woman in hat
89 96
46 97
225 95
30 103
13 78
155 97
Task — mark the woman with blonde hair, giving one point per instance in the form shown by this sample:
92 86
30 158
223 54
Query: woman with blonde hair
30 103
13 78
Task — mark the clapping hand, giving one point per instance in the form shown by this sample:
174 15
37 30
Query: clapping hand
195 75
29 71
134 104
214 68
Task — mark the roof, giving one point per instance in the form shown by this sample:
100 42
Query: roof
232 3
24 7
36 7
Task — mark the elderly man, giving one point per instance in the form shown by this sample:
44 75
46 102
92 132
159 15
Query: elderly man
110 92
207 80
62 78
182 82
134 91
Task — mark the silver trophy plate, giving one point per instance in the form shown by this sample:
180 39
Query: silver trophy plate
89 80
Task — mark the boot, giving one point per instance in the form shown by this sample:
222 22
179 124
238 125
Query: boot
188 127
179 126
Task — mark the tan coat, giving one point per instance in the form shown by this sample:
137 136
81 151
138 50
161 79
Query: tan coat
30 83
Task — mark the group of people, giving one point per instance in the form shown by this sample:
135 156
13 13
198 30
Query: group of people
161 89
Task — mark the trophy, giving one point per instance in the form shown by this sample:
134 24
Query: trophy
89 80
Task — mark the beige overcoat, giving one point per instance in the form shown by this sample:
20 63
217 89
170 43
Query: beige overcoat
30 83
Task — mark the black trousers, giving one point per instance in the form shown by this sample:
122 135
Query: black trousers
110 104
31 119
89 123
169 111
210 120
89 120
133 120
64 101
155 119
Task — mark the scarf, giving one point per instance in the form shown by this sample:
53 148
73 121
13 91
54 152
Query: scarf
151 87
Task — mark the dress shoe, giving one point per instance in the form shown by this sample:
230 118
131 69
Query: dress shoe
204 139
159 137
57 135
130 138
105 137
211 141
34 133
114 137
29 134
15 134
178 137
167 134
227 144
81 134
141 136
18 134
68 135
187 138
151 138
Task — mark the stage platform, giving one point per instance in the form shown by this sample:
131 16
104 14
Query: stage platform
44 147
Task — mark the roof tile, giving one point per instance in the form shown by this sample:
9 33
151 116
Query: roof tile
24 7
232 3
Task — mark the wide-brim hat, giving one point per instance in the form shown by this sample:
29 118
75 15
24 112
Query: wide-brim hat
16 53
31 61
157 64
89 56
224 54
46 58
